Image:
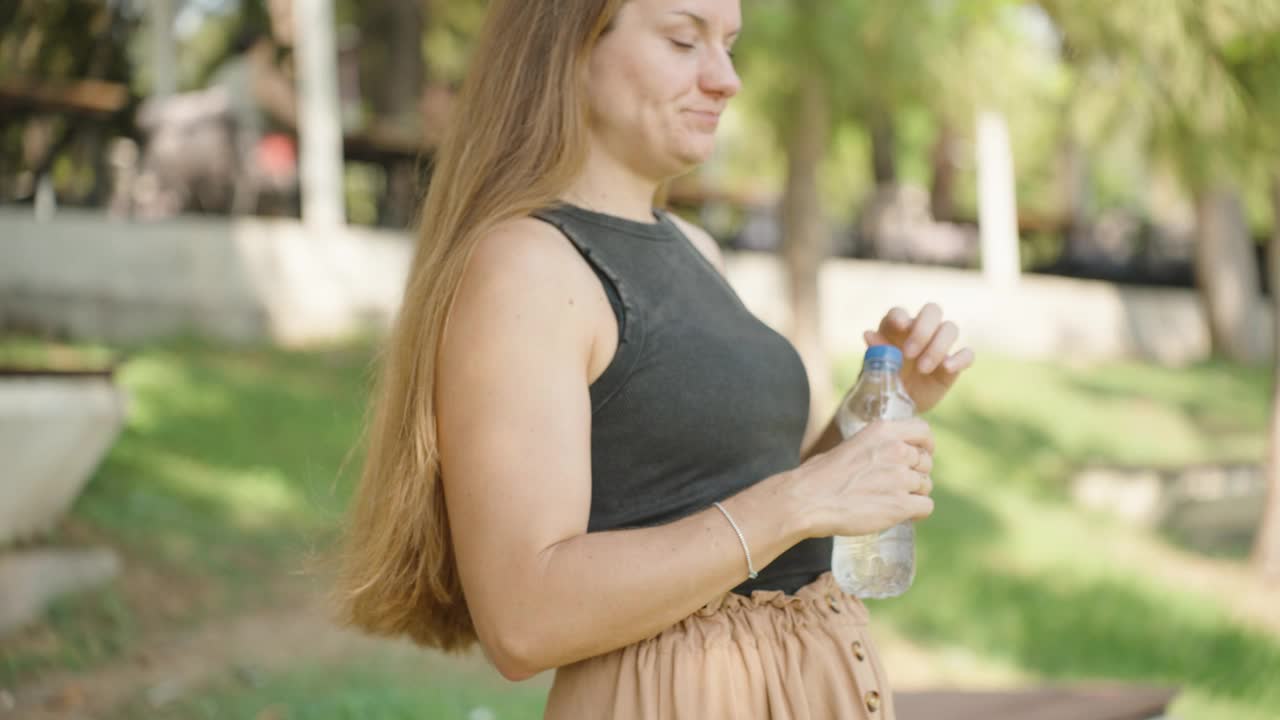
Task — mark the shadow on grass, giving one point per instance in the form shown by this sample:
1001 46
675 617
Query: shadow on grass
230 456
226 478
1216 397
1068 623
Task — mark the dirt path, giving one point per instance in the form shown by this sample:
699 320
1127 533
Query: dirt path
1246 597
170 668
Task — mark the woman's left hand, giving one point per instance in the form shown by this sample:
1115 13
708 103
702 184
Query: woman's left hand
928 370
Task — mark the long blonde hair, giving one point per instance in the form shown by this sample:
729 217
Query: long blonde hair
515 143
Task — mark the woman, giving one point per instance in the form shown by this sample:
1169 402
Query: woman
583 443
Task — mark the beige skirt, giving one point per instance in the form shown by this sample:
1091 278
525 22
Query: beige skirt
773 656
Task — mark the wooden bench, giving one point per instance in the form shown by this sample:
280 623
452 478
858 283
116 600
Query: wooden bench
93 98
1120 702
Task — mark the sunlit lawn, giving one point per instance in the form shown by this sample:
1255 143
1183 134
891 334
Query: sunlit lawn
1013 572
226 479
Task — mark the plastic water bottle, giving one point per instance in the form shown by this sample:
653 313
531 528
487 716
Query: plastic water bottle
881 565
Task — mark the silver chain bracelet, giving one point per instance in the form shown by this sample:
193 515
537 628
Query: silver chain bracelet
751 570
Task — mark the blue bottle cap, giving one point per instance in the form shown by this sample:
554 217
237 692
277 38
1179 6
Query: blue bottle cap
884 353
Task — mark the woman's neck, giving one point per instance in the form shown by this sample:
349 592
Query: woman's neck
607 186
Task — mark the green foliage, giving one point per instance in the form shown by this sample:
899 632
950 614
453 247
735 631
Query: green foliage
63 40
914 63
1189 73
453 27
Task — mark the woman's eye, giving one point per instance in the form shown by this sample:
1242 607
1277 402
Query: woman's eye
682 45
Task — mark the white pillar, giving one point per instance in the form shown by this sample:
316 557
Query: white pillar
319 113
164 57
997 202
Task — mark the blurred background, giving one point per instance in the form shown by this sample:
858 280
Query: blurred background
203 213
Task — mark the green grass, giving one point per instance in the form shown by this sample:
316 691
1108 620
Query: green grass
225 478
1030 424
378 688
28 353
1010 570
229 452
226 474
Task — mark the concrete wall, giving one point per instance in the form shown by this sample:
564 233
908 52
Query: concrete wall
1041 317
87 276
247 280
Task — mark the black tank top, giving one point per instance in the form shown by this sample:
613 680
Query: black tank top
701 400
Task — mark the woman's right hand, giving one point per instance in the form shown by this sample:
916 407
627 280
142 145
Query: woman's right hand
870 482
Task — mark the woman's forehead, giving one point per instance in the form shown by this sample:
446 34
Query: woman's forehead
711 13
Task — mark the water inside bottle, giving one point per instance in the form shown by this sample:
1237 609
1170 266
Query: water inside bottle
881 565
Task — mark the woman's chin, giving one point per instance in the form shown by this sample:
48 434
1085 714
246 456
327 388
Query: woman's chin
703 147
690 155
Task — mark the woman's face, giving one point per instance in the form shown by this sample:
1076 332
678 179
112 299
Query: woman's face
658 81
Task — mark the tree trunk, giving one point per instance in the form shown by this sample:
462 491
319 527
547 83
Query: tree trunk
1226 275
884 148
394 71
1073 179
806 242
942 187
1073 169
1266 550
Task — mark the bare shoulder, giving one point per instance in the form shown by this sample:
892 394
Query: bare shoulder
524 282
701 240
521 256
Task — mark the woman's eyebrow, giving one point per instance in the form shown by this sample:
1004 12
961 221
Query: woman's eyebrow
698 20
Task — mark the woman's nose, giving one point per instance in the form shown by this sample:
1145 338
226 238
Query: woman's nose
719 76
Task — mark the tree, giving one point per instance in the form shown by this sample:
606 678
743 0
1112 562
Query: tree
1163 64
1201 75
1254 61
931 57
781 53
57 43
848 61
942 179
391 62
1266 549
806 237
